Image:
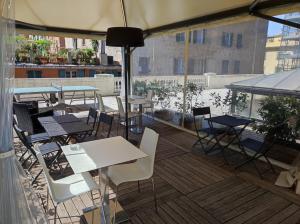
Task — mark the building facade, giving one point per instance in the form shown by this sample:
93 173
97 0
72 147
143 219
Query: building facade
230 49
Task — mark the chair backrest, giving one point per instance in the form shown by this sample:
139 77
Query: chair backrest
37 127
53 99
105 119
201 111
49 180
148 145
92 115
101 106
120 106
21 135
23 115
149 95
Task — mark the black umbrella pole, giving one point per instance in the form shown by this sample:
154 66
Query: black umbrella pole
127 49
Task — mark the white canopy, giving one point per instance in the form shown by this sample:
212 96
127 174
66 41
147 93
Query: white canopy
76 16
282 83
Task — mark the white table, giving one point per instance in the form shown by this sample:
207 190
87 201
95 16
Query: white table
100 154
138 100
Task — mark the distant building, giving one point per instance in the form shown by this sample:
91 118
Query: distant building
289 54
271 56
230 49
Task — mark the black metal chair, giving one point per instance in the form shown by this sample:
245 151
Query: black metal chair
51 151
205 133
92 117
104 120
107 120
27 121
259 149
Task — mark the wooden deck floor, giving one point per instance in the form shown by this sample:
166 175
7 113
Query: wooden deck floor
193 188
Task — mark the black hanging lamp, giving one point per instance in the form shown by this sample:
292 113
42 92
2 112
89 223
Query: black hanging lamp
126 37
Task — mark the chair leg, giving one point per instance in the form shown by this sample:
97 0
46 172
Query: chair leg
270 164
116 204
139 187
35 178
154 194
32 164
47 200
55 213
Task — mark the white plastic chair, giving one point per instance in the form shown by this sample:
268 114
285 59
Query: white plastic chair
142 169
131 115
102 108
66 188
150 103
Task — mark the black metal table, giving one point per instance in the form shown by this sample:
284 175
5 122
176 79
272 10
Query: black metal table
231 124
64 125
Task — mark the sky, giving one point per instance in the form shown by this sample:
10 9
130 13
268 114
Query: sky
274 28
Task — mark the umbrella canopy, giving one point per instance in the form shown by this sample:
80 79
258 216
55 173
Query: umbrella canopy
282 83
95 16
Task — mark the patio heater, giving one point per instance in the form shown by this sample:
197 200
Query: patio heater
126 37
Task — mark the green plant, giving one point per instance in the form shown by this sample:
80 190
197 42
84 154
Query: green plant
192 98
63 53
140 87
236 100
280 110
88 54
43 47
95 46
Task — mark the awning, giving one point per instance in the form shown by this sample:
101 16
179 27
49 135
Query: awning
93 17
285 83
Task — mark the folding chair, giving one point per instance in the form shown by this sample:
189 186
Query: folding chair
104 119
259 149
45 149
204 133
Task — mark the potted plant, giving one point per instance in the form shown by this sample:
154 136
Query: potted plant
283 111
163 94
192 99
42 49
62 56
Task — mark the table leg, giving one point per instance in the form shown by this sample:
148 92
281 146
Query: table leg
95 99
105 214
139 128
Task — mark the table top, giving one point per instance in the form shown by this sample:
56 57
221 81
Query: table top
230 121
67 118
52 89
101 153
63 125
133 99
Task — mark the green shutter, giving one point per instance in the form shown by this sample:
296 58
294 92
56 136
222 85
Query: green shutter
62 73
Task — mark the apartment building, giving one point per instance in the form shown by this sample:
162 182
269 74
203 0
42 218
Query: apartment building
231 49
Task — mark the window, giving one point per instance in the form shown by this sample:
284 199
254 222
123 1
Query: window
62 73
199 36
34 74
75 43
71 74
236 69
191 66
83 42
202 66
144 65
178 66
239 41
225 64
180 37
227 39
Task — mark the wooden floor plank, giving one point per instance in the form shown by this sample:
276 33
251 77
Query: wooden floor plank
191 188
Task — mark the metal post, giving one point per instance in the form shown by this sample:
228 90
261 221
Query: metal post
186 65
127 76
251 102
